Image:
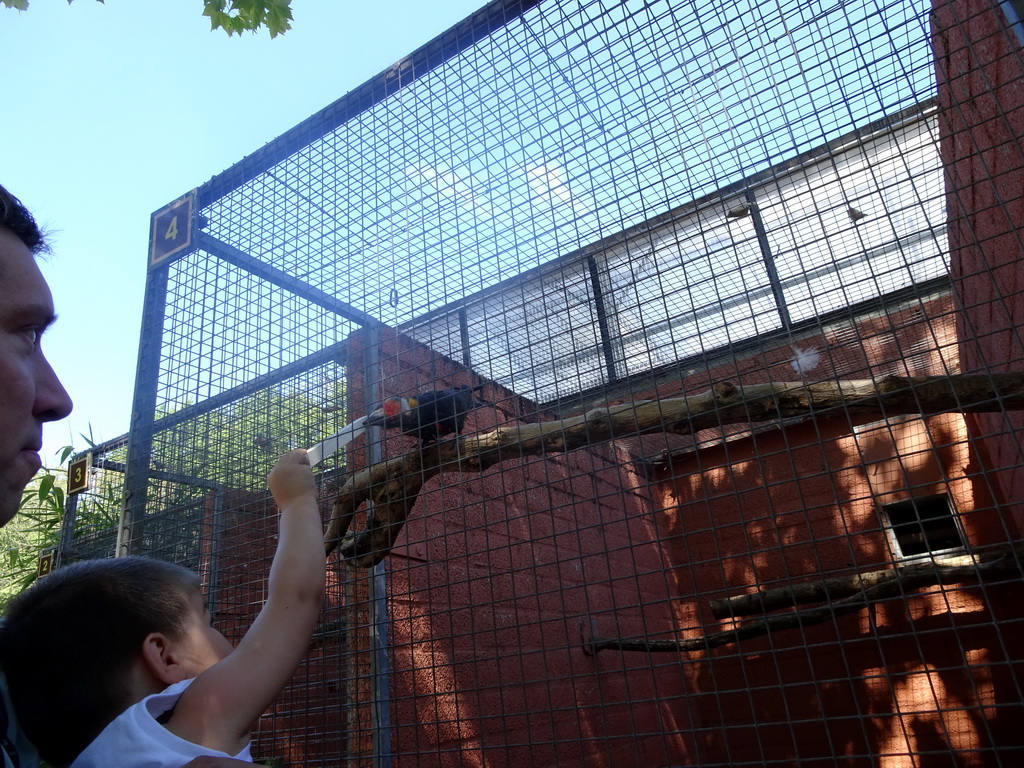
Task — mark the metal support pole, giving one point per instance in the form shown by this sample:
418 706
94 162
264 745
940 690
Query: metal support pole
140 434
219 511
67 530
769 259
601 309
380 662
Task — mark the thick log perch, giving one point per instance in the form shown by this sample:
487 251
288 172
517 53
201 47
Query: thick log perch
394 485
863 589
951 569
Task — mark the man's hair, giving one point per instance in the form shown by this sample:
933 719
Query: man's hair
69 642
15 217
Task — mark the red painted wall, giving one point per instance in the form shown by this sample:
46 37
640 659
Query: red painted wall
938 671
740 523
980 71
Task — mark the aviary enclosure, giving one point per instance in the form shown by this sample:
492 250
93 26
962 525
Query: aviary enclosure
739 285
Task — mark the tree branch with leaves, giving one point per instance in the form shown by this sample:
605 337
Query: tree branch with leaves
234 17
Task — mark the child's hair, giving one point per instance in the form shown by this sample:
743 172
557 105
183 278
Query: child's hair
68 642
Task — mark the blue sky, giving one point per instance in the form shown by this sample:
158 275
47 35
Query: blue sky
113 110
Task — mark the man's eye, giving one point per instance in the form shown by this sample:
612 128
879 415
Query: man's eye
32 335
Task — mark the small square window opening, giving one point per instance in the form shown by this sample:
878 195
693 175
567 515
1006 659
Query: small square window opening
923 525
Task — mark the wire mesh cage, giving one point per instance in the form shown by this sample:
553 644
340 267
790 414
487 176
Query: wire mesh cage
736 288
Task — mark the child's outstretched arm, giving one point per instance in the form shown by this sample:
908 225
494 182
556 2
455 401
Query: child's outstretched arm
219 709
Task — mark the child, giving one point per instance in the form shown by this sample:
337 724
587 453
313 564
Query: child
114 662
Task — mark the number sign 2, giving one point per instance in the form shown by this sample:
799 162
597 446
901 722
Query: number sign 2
45 564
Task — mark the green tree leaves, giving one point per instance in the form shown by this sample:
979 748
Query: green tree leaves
34 529
235 17
249 15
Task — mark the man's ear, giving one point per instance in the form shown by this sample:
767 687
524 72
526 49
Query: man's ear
160 656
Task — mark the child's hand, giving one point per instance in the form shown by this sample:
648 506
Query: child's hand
292 479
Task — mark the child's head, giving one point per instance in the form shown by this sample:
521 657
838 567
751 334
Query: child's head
70 645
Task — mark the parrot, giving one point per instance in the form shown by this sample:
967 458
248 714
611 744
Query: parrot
428 415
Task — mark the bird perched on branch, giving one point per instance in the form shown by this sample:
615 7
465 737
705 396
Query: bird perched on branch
428 415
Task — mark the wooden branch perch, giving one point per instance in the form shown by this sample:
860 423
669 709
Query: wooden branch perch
1004 562
394 485
939 570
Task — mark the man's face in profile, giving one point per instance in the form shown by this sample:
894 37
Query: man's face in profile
30 393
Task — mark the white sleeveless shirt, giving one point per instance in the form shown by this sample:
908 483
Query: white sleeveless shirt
135 739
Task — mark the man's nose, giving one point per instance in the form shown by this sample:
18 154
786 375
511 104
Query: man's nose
53 402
